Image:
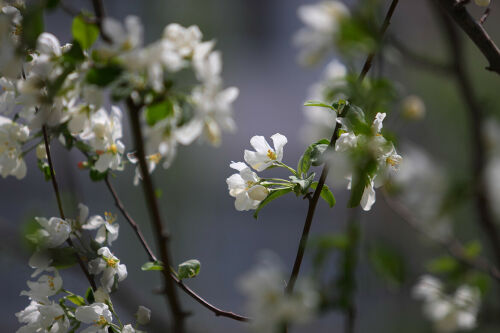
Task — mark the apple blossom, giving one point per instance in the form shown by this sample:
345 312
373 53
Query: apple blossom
39 317
12 138
143 315
109 266
264 156
107 229
245 187
44 287
97 314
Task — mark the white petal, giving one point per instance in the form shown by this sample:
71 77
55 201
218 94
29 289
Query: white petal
279 141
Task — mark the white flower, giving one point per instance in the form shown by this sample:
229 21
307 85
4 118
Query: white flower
97 314
264 156
152 161
40 261
107 229
130 329
104 134
101 295
12 137
48 44
213 112
322 22
181 40
268 304
44 287
8 98
55 231
413 107
161 138
109 266
207 64
38 317
10 61
245 188
123 38
449 313
143 315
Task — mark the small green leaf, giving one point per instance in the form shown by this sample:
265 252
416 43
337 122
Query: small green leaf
302 185
89 295
444 264
75 54
84 32
320 104
152 266
103 75
275 194
326 194
312 156
388 264
33 25
189 269
75 299
473 249
97 176
159 111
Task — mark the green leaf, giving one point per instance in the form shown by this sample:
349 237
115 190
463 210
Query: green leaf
84 32
444 264
89 295
312 156
473 249
326 194
75 54
275 194
320 104
63 257
97 176
75 299
189 269
388 264
152 266
159 111
44 167
103 75
302 184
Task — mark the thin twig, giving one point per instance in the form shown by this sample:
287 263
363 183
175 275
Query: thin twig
475 31
485 15
161 234
324 173
100 14
152 257
476 117
59 204
453 246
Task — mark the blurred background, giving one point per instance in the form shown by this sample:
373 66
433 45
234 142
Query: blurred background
255 38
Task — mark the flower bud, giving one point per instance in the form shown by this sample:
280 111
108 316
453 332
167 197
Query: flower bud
143 315
413 108
258 192
482 3
41 152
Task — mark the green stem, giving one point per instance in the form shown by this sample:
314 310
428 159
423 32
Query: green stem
283 165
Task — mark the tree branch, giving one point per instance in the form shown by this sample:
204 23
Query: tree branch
477 151
475 31
152 257
324 173
161 234
59 204
453 246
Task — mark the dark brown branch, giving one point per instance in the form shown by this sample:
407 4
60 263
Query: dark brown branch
161 234
475 31
324 173
100 16
59 204
476 116
152 257
453 246
485 15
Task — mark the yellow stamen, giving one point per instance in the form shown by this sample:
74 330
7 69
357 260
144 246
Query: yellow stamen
155 158
101 321
392 161
51 283
110 218
113 149
271 154
111 262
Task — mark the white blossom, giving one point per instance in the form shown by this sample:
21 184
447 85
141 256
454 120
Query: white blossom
322 22
12 137
123 38
44 287
107 229
268 305
109 266
97 314
264 156
245 187
143 315
55 231
47 318
449 313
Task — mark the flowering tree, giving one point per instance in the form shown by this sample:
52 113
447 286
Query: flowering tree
173 94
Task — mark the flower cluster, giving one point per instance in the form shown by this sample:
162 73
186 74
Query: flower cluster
322 22
248 188
268 304
449 313
47 314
